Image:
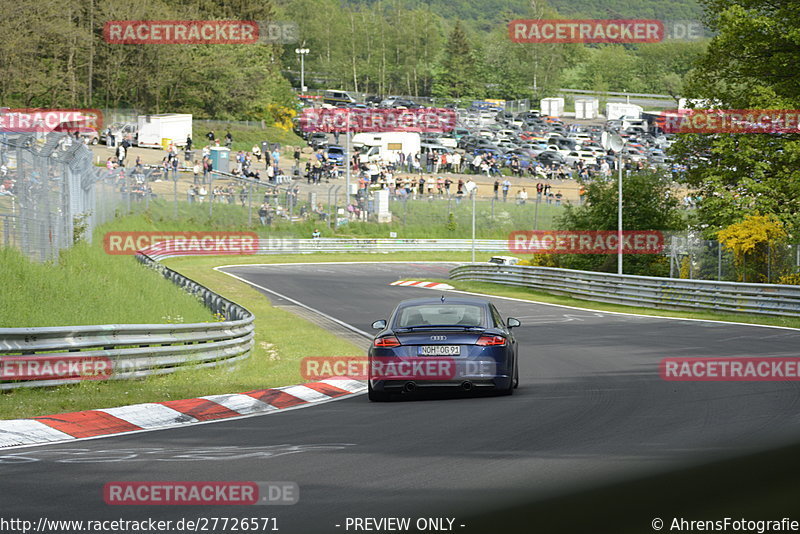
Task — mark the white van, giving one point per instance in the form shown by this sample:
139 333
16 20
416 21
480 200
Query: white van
337 97
385 145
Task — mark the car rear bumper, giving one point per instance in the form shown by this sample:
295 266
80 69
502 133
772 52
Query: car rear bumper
462 384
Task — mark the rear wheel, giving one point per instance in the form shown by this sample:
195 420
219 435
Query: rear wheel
376 396
516 373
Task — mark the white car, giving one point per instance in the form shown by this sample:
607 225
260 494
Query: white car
504 260
580 155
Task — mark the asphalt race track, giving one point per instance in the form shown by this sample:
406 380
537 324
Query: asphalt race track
591 415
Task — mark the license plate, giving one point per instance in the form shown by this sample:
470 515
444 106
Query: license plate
440 350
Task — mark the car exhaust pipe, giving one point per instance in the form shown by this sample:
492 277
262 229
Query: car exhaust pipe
409 387
466 385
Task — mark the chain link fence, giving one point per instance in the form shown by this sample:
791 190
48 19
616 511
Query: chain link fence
47 193
698 259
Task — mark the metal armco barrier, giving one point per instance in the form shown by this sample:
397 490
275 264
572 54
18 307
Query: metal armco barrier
648 291
131 351
277 245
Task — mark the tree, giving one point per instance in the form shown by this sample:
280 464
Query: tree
648 204
755 242
752 63
457 72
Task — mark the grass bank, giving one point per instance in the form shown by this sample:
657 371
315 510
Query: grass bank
281 341
244 137
415 219
86 287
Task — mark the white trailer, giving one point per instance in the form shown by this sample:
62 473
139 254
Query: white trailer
586 108
386 145
617 110
552 107
153 129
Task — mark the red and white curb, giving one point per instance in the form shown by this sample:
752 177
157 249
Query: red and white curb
426 285
155 415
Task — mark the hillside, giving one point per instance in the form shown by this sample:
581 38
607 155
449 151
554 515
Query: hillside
486 13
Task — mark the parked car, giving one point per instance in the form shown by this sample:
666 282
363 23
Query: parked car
318 140
549 157
335 153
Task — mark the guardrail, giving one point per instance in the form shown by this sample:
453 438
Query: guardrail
277 245
670 293
126 351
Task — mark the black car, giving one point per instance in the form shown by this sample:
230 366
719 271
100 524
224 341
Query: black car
318 140
549 157
458 343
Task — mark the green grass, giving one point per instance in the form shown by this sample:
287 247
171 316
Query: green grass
89 287
244 137
281 341
501 290
179 264
417 219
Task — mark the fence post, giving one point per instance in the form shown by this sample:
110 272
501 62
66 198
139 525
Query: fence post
250 205
769 263
719 261
210 195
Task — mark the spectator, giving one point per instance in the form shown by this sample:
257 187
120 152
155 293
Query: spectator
196 169
315 234
297 157
497 189
256 151
457 162
263 213
201 194
506 186
211 137
522 197
228 139
121 155
189 143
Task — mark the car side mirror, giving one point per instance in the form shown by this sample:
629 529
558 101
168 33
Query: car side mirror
513 323
381 324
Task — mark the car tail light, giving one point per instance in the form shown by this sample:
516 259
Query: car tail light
388 341
491 341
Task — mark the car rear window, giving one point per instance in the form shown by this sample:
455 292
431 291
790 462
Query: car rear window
440 314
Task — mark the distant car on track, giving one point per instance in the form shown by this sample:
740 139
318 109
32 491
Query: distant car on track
460 344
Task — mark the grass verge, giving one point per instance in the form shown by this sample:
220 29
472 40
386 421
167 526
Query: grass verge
420 219
89 287
281 341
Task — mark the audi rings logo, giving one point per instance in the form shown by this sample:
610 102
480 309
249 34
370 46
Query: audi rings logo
438 338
